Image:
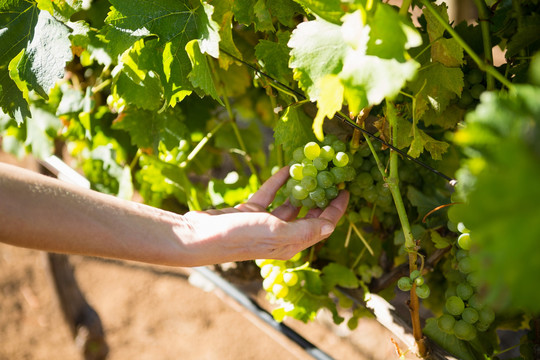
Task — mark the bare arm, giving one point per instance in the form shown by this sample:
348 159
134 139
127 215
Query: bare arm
43 213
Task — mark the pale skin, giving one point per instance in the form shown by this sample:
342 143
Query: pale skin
42 213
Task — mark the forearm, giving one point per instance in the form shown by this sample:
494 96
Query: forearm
43 213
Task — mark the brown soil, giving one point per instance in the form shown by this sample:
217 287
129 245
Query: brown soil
153 312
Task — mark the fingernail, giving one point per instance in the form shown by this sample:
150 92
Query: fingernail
326 229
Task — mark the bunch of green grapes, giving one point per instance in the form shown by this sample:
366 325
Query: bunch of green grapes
280 280
406 283
472 89
318 171
177 155
370 197
464 313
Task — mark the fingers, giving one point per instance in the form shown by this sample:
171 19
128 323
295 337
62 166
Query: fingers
286 212
265 195
335 210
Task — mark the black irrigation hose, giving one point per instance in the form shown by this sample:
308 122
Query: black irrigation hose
262 314
348 122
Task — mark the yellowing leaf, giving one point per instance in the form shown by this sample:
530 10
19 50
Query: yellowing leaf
330 101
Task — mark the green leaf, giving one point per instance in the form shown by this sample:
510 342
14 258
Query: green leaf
275 57
249 12
293 130
61 9
435 86
422 141
201 74
329 10
503 203
445 51
17 21
336 274
448 342
223 16
285 11
330 101
47 52
528 33
175 23
318 50
148 128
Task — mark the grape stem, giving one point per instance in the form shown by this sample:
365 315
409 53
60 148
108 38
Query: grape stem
360 119
410 245
486 39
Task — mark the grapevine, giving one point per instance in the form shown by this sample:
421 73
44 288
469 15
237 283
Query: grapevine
429 121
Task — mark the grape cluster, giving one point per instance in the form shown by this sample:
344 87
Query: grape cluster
406 283
370 197
472 89
279 279
464 313
318 171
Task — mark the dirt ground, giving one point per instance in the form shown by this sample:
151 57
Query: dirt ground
153 312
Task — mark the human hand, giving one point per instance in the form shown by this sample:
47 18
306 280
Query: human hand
249 231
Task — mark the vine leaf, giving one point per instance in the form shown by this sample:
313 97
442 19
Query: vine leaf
201 74
329 102
175 23
275 57
369 58
148 128
18 19
293 130
249 12
329 10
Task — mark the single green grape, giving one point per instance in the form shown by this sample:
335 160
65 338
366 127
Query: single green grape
474 279
290 184
339 174
309 170
475 302
340 159
294 201
350 173
462 228
464 331
446 323
322 204
474 76
419 281
470 315
405 283
290 278
309 183
464 290
312 150
280 290
364 179
423 291
465 265
477 90
415 273
299 192
320 163
309 203
296 171
318 194
454 305
266 270
331 192
329 139
460 254
339 145
486 315
464 241
327 152
325 179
